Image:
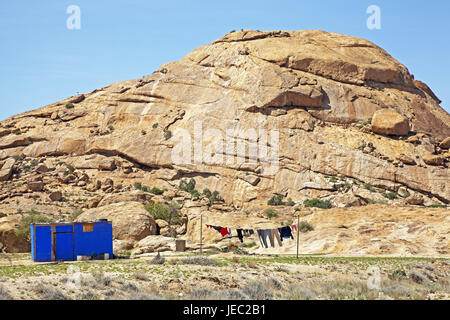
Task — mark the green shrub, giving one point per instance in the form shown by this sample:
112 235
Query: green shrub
155 125
305 226
317 203
187 185
70 167
34 163
211 196
270 213
144 188
390 195
195 194
69 106
436 205
167 212
276 200
290 202
167 134
156 191
137 185
332 178
111 128
369 187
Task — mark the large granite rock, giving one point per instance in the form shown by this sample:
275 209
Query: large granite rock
316 89
130 220
9 240
6 168
390 122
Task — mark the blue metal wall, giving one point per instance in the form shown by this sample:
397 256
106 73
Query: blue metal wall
70 241
97 242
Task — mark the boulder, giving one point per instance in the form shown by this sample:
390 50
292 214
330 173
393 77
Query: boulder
42 168
415 199
345 200
130 220
403 192
56 196
154 244
436 160
9 240
390 122
107 164
126 196
162 223
35 185
406 159
445 144
6 169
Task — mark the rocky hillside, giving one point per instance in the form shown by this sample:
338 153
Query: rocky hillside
341 121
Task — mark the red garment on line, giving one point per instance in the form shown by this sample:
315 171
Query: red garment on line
294 227
224 232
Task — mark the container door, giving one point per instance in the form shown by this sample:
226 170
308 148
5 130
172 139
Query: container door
42 242
64 246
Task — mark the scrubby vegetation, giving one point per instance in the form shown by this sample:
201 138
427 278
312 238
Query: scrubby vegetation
165 211
28 218
156 191
276 200
189 186
270 213
390 195
167 134
305 226
211 196
317 203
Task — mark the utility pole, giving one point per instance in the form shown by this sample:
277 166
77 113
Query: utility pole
201 236
298 233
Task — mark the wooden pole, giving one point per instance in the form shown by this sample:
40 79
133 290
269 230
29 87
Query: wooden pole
298 227
201 237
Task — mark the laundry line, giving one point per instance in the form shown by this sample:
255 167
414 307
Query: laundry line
278 234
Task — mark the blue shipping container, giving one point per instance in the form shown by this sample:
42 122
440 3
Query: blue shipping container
67 241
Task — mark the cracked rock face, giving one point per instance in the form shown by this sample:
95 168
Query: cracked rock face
318 90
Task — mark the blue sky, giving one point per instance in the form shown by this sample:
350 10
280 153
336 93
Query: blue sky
42 61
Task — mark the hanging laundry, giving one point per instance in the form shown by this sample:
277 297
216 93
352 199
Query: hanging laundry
218 229
262 235
270 234
224 231
285 232
294 227
229 232
239 234
275 234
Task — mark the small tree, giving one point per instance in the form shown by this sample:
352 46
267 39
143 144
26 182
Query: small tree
276 200
270 213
